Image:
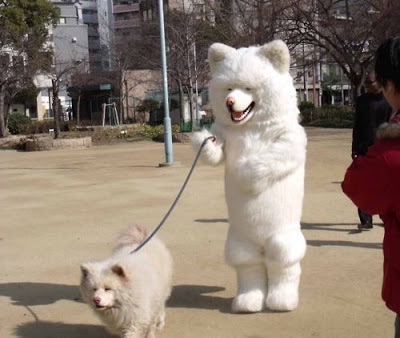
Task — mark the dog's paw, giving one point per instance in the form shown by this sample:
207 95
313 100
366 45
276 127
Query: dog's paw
252 301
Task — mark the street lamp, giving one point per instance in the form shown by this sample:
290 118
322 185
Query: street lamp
169 155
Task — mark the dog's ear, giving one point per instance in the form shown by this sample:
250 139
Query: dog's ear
119 271
277 52
85 270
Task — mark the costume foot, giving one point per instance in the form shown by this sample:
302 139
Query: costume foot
283 297
252 301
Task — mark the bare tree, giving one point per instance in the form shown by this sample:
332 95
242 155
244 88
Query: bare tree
60 77
190 30
344 31
189 34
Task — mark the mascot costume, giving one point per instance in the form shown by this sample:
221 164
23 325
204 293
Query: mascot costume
259 139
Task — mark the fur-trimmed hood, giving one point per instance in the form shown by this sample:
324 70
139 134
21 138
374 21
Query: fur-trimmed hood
389 130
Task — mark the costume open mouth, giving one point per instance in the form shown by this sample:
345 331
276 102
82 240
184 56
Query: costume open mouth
238 116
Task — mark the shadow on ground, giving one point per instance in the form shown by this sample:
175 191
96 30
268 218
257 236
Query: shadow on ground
41 329
31 294
339 227
212 220
334 227
199 297
345 243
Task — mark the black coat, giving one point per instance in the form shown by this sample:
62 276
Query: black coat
371 111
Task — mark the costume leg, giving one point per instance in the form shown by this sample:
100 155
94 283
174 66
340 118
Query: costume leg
283 253
283 287
251 283
251 274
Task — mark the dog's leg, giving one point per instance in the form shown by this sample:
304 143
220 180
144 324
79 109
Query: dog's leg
252 283
160 320
152 332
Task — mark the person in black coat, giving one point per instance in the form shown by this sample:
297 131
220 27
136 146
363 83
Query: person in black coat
371 111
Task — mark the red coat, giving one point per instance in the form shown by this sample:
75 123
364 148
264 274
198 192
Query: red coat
372 182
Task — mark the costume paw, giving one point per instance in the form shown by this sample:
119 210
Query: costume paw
212 151
284 297
252 301
198 137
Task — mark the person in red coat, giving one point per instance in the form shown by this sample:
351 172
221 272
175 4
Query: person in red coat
372 182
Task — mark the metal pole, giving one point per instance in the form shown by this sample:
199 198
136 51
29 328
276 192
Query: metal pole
196 87
305 77
169 156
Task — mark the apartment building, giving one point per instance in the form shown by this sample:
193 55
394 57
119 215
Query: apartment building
126 18
70 36
69 40
97 15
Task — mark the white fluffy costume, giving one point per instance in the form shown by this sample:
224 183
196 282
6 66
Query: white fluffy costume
258 136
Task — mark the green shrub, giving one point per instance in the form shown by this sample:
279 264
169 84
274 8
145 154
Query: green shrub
328 116
43 127
306 105
151 132
148 105
18 123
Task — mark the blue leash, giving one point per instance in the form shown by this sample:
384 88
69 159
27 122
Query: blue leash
177 197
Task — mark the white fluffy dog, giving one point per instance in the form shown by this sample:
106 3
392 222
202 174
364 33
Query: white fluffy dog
128 291
263 146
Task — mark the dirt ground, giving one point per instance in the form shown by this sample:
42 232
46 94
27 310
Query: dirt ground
62 208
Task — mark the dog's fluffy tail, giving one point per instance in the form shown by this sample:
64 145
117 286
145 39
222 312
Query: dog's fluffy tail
131 237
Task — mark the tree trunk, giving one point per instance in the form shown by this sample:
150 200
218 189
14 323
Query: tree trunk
181 101
56 110
78 108
126 100
3 128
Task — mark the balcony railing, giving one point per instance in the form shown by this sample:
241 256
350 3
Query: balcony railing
125 8
126 23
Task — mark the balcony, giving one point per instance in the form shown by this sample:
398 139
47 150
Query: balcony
126 8
126 23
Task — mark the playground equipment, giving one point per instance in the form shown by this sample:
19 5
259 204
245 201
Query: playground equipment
112 113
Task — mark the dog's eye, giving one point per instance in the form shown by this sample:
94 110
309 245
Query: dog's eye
229 89
248 89
107 289
94 289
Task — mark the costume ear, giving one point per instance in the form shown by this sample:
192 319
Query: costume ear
277 53
218 51
118 270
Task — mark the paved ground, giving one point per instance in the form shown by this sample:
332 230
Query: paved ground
61 208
